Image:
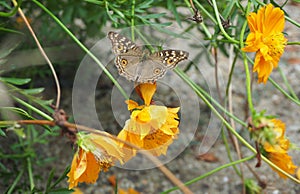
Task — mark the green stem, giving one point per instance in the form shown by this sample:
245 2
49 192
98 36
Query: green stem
32 108
293 43
2 29
231 73
132 23
82 47
36 110
13 156
108 5
211 172
217 15
248 84
246 67
290 89
13 11
292 21
12 187
284 92
29 168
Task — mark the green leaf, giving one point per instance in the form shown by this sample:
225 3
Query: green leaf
161 28
44 102
2 133
19 132
151 16
16 110
50 178
227 11
29 106
15 81
13 11
144 5
33 91
171 6
10 43
62 177
5 5
67 14
110 15
101 3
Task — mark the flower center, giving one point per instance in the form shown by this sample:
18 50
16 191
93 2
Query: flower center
276 43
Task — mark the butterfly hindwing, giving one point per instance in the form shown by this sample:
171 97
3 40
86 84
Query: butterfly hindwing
170 58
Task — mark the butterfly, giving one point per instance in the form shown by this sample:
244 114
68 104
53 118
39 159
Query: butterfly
138 64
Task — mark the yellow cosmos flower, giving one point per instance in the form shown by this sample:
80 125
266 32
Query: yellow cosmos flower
266 39
95 153
150 127
270 136
277 151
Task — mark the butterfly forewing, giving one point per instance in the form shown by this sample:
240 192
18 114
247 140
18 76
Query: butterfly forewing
121 44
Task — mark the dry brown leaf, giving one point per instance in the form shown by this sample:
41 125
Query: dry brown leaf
207 157
112 180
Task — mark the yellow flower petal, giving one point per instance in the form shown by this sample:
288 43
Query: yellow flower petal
131 104
158 115
271 17
81 166
283 161
143 116
84 168
279 128
298 173
146 91
77 191
128 136
106 148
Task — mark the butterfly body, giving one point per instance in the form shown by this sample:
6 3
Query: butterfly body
138 64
